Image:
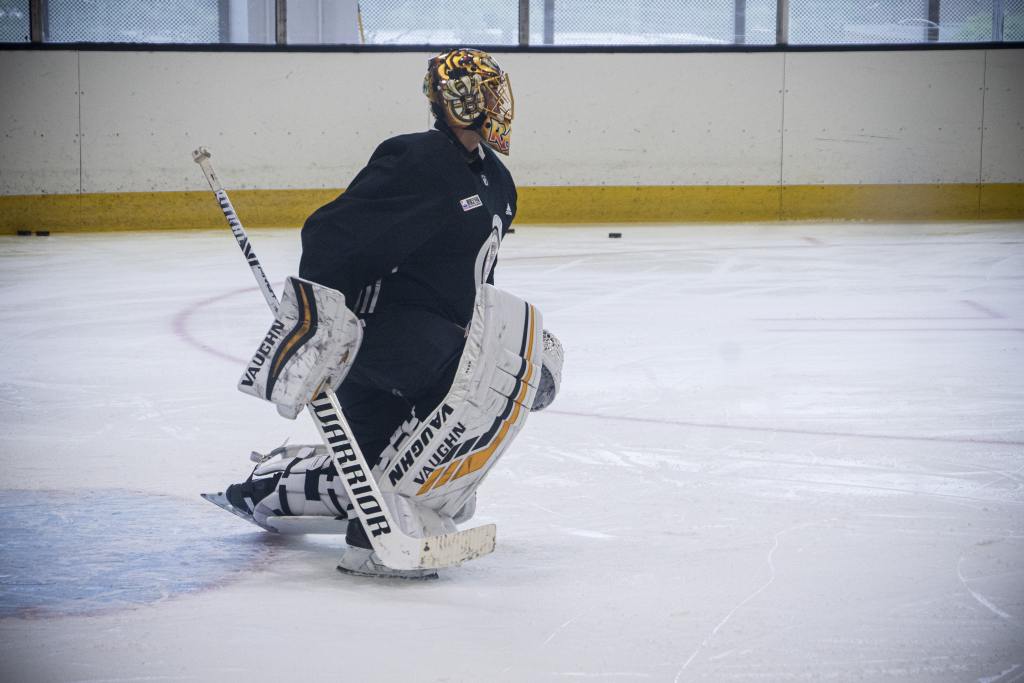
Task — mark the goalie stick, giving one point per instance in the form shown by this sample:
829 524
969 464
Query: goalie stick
394 548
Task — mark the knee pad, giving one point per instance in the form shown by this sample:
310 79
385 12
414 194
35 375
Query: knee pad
550 372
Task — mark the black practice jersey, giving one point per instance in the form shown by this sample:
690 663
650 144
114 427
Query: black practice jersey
410 228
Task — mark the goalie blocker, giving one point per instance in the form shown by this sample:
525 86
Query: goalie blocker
311 344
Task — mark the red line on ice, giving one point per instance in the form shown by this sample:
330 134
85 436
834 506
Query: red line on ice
180 324
785 430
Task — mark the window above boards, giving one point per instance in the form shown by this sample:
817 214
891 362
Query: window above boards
541 24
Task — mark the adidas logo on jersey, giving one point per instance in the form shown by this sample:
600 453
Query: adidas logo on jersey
508 209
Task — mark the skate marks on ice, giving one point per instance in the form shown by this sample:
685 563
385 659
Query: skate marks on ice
1006 676
740 605
774 429
785 468
83 552
864 550
982 600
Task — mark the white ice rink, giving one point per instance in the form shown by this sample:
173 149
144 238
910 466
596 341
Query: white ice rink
780 453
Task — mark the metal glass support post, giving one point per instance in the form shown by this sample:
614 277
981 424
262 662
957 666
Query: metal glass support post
224 21
739 22
932 32
782 22
524 23
549 22
281 22
35 21
998 15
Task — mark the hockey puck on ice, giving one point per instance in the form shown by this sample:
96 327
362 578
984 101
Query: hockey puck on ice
615 235
24 233
511 231
43 233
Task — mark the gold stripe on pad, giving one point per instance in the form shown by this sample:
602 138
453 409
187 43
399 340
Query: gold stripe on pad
430 480
306 310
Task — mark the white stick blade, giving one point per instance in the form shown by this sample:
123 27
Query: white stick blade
449 550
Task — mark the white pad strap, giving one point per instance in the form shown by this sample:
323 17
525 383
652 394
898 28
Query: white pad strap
306 487
439 463
314 339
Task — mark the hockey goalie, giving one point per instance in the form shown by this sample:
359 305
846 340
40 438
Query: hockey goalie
395 311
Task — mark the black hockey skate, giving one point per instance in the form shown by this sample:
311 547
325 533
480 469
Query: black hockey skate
241 499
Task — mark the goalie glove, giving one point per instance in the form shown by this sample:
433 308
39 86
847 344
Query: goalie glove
312 342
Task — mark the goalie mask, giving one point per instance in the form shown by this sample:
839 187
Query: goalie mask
467 89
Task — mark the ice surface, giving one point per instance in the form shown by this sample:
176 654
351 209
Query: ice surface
780 453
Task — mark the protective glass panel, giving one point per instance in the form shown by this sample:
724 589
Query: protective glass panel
651 22
827 22
248 21
760 22
456 22
1013 20
965 21
14 21
169 21
495 22
324 22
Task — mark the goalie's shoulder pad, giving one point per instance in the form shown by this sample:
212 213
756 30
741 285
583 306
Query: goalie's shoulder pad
314 338
550 372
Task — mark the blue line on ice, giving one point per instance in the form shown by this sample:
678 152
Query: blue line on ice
75 553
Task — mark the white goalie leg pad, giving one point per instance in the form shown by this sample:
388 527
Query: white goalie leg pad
438 463
417 520
314 339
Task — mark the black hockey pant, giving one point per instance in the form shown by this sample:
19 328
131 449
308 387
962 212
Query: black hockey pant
405 366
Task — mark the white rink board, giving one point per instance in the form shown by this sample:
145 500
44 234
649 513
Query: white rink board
310 120
1003 157
883 117
319 116
636 119
39 123
274 121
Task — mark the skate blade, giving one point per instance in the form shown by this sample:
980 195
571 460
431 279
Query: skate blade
293 525
351 572
221 501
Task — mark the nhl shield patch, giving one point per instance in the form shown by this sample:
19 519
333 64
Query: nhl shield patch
470 203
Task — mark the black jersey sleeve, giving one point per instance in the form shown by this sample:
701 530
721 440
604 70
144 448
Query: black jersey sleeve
391 208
